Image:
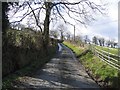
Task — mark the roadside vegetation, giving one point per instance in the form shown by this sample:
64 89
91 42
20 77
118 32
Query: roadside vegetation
23 53
76 49
102 73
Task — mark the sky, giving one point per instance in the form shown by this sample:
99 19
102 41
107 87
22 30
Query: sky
105 26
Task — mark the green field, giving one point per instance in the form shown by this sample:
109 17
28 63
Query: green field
107 49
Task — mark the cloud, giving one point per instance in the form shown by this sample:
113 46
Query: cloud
103 26
106 27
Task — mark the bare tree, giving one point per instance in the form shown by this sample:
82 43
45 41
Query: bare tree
95 40
61 28
81 9
68 35
101 41
115 44
54 33
108 43
78 38
112 41
86 39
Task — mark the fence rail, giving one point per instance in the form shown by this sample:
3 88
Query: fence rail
109 58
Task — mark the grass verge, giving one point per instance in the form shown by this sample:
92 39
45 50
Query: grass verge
74 48
102 73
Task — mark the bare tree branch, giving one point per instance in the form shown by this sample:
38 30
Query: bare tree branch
72 10
25 15
60 14
81 14
68 3
93 6
37 22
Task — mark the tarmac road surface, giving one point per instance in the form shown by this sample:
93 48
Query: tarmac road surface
64 71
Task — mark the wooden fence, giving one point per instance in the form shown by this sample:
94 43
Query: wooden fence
109 58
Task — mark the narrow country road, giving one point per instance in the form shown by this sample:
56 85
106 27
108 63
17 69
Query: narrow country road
63 71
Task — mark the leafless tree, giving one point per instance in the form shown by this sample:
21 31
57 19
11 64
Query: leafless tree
78 38
62 29
100 41
108 43
95 40
86 39
54 33
111 43
103 41
81 11
68 35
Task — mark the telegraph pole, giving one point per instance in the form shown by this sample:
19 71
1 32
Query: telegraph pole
74 32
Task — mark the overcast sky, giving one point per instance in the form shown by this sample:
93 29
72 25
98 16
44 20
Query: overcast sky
105 25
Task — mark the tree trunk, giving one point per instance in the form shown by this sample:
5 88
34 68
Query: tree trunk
46 26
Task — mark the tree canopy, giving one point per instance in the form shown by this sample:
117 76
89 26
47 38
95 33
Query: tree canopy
43 13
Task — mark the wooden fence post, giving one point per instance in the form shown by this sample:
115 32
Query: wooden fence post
108 54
